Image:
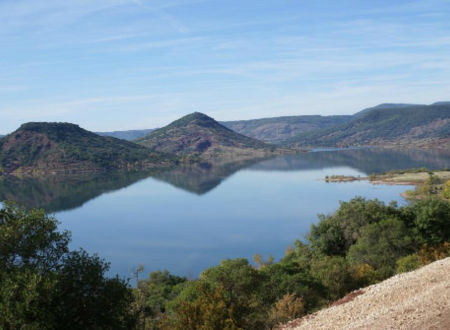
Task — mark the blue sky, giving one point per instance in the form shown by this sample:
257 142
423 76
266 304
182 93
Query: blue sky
131 64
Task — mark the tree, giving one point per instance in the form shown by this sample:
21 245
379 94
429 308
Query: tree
335 274
44 285
431 222
210 310
334 234
241 284
381 244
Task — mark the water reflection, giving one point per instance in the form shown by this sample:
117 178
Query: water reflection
59 193
368 161
64 192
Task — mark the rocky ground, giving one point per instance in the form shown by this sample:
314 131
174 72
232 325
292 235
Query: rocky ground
414 300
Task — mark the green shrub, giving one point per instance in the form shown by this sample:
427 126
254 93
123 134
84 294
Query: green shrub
381 244
408 263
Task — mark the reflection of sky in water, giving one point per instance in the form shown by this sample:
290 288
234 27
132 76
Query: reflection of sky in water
251 212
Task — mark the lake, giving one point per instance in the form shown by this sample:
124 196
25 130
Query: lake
187 219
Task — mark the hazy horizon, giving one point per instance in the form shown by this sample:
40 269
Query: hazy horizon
164 124
111 65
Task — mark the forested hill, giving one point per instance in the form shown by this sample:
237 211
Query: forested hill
43 147
199 135
385 106
416 125
277 129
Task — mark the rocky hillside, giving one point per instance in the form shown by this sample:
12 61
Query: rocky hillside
277 129
415 300
416 125
201 136
48 147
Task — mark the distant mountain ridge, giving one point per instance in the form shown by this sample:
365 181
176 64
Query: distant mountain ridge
201 136
127 135
386 106
52 147
278 129
270 130
415 125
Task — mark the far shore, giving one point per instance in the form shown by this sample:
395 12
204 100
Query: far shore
426 182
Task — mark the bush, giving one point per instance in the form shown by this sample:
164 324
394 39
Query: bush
334 273
428 254
364 274
334 234
210 310
431 222
408 263
287 308
380 245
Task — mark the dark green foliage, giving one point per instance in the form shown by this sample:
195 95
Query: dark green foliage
334 274
327 237
431 223
334 234
241 283
45 286
288 277
158 290
85 299
381 244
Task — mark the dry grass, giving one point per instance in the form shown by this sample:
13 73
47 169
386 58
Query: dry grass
414 300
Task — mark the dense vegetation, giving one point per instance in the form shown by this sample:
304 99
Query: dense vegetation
44 285
401 125
59 146
277 129
199 135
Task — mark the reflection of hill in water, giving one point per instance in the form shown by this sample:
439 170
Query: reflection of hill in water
58 193
64 192
365 160
204 177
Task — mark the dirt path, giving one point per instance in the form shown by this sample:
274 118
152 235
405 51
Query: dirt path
415 300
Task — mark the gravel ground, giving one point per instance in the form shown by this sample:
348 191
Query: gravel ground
415 300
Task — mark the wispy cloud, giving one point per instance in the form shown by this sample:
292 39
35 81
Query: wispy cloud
129 63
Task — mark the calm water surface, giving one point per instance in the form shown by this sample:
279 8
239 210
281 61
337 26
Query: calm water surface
188 219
